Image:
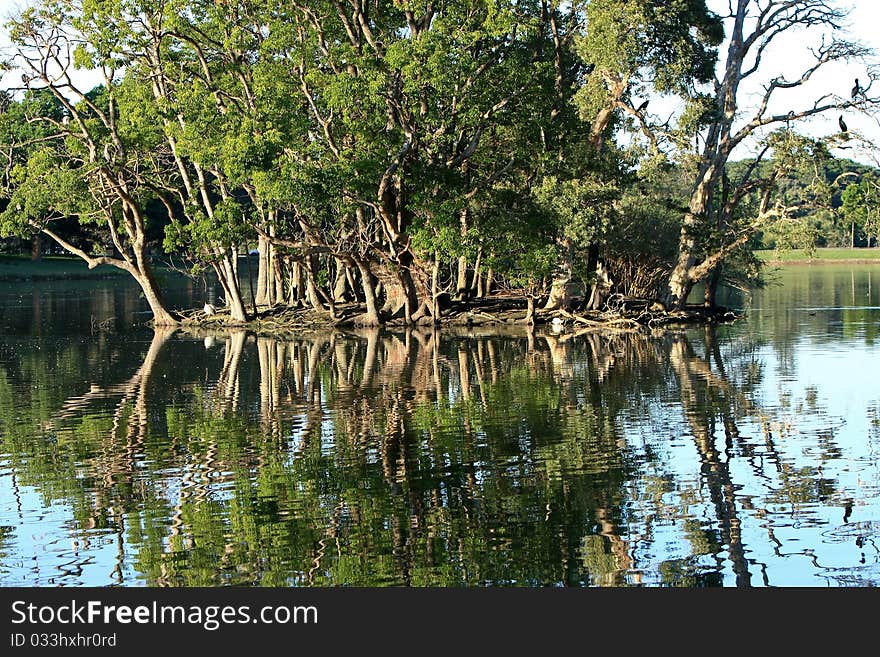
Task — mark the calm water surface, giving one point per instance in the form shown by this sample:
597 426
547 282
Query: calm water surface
747 455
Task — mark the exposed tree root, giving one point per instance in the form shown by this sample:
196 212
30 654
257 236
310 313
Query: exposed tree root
619 314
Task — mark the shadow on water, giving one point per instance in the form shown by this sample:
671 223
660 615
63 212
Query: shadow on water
415 458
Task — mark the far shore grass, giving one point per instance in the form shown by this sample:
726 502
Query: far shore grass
22 268
819 256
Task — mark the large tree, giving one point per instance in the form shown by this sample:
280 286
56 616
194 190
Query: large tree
725 122
628 50
94 162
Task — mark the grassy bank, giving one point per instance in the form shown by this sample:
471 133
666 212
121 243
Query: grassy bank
820 256
22 268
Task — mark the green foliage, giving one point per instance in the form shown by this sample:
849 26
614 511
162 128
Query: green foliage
672 44
861 205
374 138
583 208
45 188
811 191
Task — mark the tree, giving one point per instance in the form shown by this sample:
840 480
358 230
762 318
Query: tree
718 119
861 206
185 73
403 117
627 49
93 165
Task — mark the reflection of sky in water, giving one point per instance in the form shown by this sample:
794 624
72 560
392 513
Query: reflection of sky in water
45 549
822 395
803 474
831 393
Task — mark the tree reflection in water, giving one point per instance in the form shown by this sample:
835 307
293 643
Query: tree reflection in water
419 458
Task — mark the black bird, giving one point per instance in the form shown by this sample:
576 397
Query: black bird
842 125
857 88
641 108
24 78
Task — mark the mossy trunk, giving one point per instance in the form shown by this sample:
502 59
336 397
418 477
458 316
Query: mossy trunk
560 289
371 318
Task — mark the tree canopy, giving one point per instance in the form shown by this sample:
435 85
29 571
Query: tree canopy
387 153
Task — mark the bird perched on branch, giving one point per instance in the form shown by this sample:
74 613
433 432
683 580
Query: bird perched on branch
840 122
857 89
641 108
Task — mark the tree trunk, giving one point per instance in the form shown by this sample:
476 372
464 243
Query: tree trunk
297 284
435 290
226 273
250 273
560 289
601 288
719 142
276 274
161 315
145 278
711 291
262 272
412 298
476 288
341 284
352 285
369 289
679 286
395 294
490 282
311 287
461 283
36 248
680 282
530 310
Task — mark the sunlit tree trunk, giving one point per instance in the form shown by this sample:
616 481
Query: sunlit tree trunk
369 290
262 297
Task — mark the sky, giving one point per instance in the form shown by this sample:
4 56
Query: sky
788 57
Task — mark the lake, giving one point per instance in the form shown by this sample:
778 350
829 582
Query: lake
744 455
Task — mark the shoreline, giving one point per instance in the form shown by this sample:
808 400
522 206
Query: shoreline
825 261
823 256
489 312
8 278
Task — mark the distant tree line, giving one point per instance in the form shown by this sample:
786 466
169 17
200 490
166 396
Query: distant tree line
826 202
394 153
